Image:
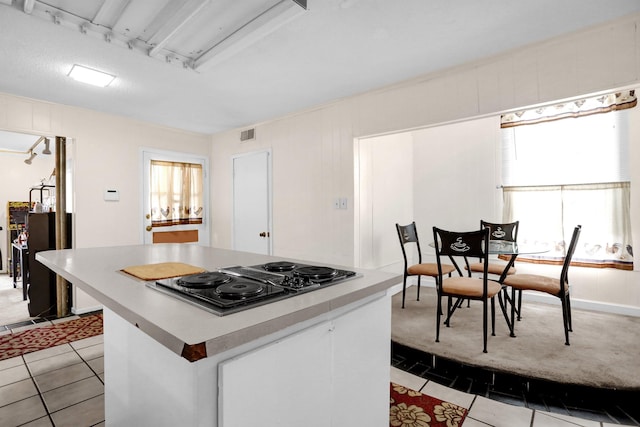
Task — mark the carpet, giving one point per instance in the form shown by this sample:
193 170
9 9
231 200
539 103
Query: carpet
17 344
603 352
410 408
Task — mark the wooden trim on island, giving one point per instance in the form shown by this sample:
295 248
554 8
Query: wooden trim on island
194 352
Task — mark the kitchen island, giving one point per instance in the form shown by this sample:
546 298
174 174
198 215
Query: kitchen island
317 359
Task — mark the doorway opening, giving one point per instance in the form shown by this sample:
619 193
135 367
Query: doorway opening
37 183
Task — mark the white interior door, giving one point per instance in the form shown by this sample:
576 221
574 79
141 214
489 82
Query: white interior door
186 233
252 202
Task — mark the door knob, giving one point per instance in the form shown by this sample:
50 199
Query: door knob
149 228
148 216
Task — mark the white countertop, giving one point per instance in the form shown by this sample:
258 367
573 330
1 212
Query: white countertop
177 324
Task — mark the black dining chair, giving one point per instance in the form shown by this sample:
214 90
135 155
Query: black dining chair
557 287
409 234
507 232
458 247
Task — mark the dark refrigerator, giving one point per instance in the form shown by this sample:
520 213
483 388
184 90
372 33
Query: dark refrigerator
42 281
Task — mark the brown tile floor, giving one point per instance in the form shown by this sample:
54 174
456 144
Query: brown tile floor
59 386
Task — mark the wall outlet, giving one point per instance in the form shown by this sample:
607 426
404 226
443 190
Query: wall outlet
340 203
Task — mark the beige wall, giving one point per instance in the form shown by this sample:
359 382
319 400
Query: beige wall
106 153
385 195
455 175
313 151
311 167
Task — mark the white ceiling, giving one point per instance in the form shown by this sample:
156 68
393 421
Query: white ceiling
334 49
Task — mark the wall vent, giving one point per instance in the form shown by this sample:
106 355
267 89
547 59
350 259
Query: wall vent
247 135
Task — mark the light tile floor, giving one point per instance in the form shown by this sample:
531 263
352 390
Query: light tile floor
64 386
59 386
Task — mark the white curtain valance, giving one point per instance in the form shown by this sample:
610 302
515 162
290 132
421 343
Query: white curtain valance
582 107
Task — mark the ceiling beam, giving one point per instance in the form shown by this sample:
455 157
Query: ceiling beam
117 10
248 34
110 12
174 23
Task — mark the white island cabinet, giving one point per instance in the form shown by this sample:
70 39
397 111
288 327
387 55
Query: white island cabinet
317 359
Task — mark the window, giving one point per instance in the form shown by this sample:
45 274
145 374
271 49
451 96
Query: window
176 193
561 173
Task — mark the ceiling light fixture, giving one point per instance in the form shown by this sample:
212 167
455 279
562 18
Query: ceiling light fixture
31 151
254 30
30 159
46 147
90 76
28 6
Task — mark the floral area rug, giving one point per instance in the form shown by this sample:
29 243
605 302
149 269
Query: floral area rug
12 345
410 408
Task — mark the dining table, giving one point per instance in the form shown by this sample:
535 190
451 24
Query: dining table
511 250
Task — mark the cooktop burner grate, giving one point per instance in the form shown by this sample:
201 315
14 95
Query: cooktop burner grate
237 288
315 272
204 280
279 266
240 290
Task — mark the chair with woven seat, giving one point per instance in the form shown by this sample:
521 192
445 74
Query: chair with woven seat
462 245
409 234
557 287
507 232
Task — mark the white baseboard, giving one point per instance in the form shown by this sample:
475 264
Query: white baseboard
85 310
625 310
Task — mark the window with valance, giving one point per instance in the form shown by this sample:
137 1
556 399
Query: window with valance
176 193
567 168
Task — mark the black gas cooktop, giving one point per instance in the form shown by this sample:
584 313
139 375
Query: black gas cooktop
238 288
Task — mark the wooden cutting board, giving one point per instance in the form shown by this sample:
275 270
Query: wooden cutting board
163 270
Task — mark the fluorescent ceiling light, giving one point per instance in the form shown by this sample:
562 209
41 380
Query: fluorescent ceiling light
90 76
